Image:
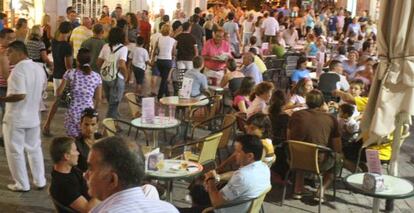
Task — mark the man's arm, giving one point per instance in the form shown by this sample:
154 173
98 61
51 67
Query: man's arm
82 205
13 98
216 197
68 62
4 68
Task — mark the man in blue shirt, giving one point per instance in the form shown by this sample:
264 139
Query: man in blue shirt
332 22
250 68
248 182
199 80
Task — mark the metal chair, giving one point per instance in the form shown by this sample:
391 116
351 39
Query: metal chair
303 156
256 204
133 105
117 127
177 76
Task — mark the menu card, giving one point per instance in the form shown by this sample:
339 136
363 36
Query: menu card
265 48
373 161
148 110
185 91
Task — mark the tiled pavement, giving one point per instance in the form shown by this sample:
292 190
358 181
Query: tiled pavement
38 201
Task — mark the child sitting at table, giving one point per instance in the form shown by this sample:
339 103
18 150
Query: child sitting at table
260 98
241 100
200 84
354 95
253 44
297 100
348 125
300 72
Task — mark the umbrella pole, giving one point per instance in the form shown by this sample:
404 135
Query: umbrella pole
401 119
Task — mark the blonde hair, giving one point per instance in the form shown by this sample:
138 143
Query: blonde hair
45 19
35 33
165 30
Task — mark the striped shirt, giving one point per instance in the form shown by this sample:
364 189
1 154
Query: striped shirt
3 81
79 35
34 47
133 200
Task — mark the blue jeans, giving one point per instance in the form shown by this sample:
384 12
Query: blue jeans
114 90
164 66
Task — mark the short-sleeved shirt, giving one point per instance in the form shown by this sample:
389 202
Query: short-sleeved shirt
248 182
60 50
83 150
199 81
185 47
258 105
27 78
297 75
79 35
303 123
270 26
139 57
232 29
34 47
361 103
165 47
240 98
121 54
198 32
260 64
212 50
332 22
252 70
95 46
66 188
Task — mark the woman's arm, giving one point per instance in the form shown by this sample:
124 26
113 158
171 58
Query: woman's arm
43 55
242 106
98 96
61 87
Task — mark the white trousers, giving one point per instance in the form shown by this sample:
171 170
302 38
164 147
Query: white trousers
188 65
56 85
17 141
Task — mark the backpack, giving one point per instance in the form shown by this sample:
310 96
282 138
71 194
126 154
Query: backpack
109 70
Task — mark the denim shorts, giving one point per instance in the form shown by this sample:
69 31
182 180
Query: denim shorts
155 70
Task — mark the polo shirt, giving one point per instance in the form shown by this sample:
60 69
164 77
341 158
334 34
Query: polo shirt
79 35
252 70
213 50
199 81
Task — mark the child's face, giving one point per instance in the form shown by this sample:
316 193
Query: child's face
253 130
355 90
308 86
343 115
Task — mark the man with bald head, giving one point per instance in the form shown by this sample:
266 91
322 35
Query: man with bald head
250 68
80 34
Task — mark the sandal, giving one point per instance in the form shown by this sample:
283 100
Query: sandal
46 133
297 196
317 198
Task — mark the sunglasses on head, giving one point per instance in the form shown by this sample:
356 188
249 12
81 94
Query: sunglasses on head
89 112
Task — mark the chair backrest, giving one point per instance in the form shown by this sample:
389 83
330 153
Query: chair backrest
274 62
177 77
58 206
209 149
109 125
303 156
133 104
241 119
215 106
291 62
227 129
258 202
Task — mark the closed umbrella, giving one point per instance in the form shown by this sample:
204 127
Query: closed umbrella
391 99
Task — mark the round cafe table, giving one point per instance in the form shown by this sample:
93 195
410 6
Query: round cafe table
159 123
172 170
395 188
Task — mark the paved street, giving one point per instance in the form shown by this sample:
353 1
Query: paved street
38 201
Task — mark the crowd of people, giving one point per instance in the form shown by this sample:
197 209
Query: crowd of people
92 61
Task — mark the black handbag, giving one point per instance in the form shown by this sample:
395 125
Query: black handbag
66 96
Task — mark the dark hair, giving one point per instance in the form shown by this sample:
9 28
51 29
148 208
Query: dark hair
366 45
65 27
260 89
277 102
121 23
134 20
301 60
358 82
251 144
124 157
98 29
246 86
18 46
5 31
341 50
348 109
231 64
333 64
90 113
230 16
160 25
116 36
176 25
197 10
118 8
253 50
69 10
165 18
59 147
299 88
253 40
195 18
2 15
314 99
261 121
20 22
84 58
198 62
140 40
186 25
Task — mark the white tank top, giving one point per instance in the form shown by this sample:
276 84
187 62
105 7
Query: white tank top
165 46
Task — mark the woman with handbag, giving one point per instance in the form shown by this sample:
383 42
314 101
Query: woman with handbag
78 88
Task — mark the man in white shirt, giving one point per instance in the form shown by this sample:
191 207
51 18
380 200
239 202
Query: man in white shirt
21 122
290 35
115 171
269 27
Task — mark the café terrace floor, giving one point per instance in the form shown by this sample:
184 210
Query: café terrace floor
38 201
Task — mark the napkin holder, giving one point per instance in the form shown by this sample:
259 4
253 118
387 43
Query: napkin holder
153 160
373 182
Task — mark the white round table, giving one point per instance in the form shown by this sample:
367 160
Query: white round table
172 171
159 123
395 188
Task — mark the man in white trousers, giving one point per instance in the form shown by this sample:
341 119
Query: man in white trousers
21 122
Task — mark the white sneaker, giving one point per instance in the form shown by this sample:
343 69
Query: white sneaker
15 188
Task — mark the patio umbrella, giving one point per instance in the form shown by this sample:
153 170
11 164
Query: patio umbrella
391 99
